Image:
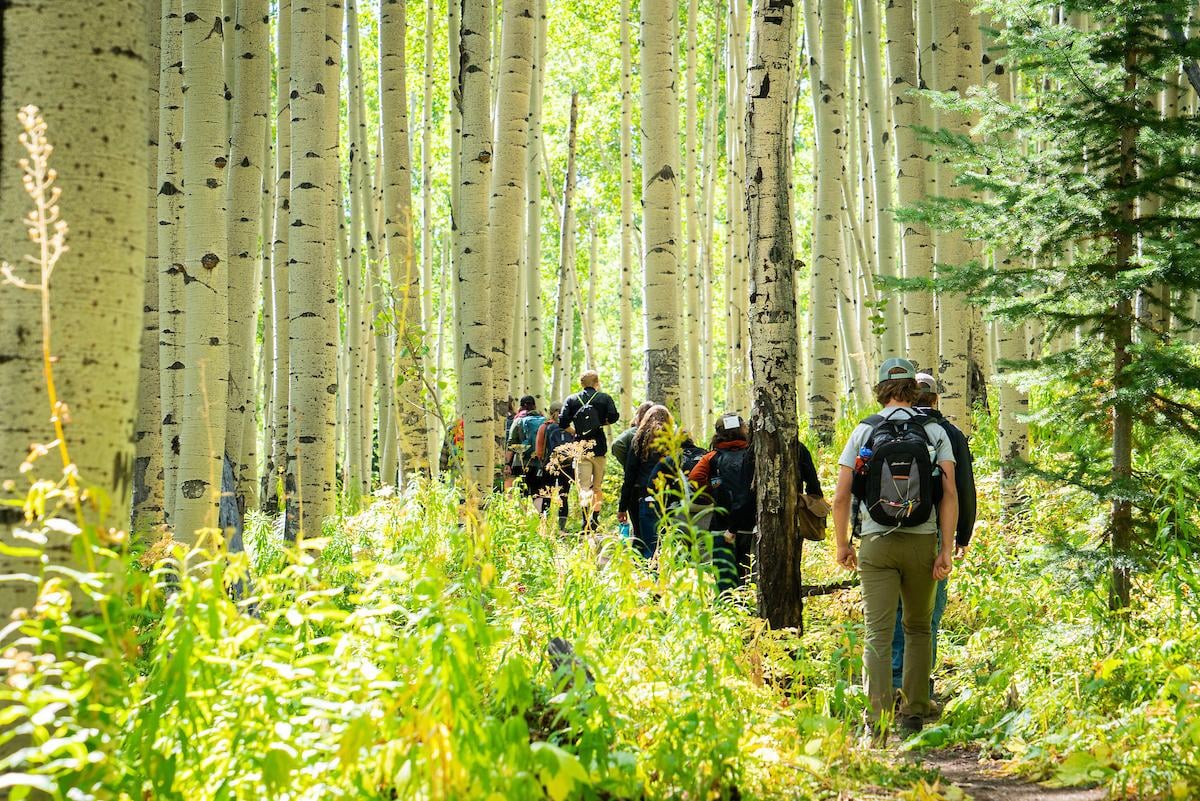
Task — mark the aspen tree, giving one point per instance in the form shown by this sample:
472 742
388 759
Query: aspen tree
737 374
691 275
625 333
312 279
148 457
99 135
432 415
881 169
915 241
263 435
773 336
827 70
247 137
587 304
506 217
274 474
956 67
535 357
205 357
708 229
473 98
404 275
169 232
564 316
356 475
660 200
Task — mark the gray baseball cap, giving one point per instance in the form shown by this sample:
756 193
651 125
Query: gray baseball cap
927 382
891 369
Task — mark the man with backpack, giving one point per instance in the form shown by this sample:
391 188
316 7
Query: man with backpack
587 413
964 480
890 467
522 440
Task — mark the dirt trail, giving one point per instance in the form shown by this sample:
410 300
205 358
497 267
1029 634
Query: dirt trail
963 768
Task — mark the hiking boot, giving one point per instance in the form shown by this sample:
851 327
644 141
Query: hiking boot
911 724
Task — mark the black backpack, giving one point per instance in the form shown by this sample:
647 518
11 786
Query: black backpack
691 455
732 484
587 419
896 478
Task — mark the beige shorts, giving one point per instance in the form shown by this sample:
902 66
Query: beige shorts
589 475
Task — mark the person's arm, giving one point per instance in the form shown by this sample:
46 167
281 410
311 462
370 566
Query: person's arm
703 470
614 414
810 482
947 522
842 498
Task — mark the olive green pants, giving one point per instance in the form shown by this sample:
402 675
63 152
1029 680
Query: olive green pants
894 566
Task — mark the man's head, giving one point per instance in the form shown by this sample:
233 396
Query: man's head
929 391
590 379
528 403
897 383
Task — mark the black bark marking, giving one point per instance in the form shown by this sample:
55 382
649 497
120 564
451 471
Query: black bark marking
194 488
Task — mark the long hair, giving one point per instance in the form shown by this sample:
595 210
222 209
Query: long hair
640 412
656 420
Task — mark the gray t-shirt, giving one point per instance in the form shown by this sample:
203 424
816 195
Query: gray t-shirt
942 451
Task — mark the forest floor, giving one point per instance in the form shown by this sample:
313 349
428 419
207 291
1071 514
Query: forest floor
963 769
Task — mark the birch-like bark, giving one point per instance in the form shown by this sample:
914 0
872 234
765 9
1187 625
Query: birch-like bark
827 70
98 131
707 233
773 354
588 303
147 437
660 200
506 213
169 202
535 358
312 274
356 473
625 332
916 247
433 425
275 472
737 373
956 67
691 275
564 316
247 146
473 98
202 430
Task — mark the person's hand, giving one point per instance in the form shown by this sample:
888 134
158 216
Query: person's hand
846 557
960 551
943 565
622 517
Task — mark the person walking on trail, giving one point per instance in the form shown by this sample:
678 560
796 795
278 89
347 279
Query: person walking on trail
522 441
648 460
620 444
964 480
889 467
587 413
553 469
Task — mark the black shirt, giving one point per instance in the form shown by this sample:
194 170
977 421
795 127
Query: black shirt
964 477
605 408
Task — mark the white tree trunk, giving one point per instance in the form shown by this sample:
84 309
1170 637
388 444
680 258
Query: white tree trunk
564 317
473 98
206 272
737 374
433 423
506 212
625 333
660 198
535 358
148 458
827 70
690 402
312 274
97 129
247 146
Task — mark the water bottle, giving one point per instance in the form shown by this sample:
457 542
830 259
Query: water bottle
864 455
625 530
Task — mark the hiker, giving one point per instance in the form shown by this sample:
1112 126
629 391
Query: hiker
450 459
587 413
964 480
553 469
727 476
646 462
620 444
522 440
888 468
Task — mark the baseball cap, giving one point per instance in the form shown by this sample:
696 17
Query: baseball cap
927 382
897 364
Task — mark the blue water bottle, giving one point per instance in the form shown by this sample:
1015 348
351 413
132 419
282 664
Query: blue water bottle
624 530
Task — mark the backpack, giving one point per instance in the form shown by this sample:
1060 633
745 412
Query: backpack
894 475
587 419
732 485
524 433
691 455
556 437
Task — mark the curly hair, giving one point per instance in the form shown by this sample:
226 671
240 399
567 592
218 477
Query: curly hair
654 422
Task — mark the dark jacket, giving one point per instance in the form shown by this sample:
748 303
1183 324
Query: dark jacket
603 403
622 443
639 473
964 477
